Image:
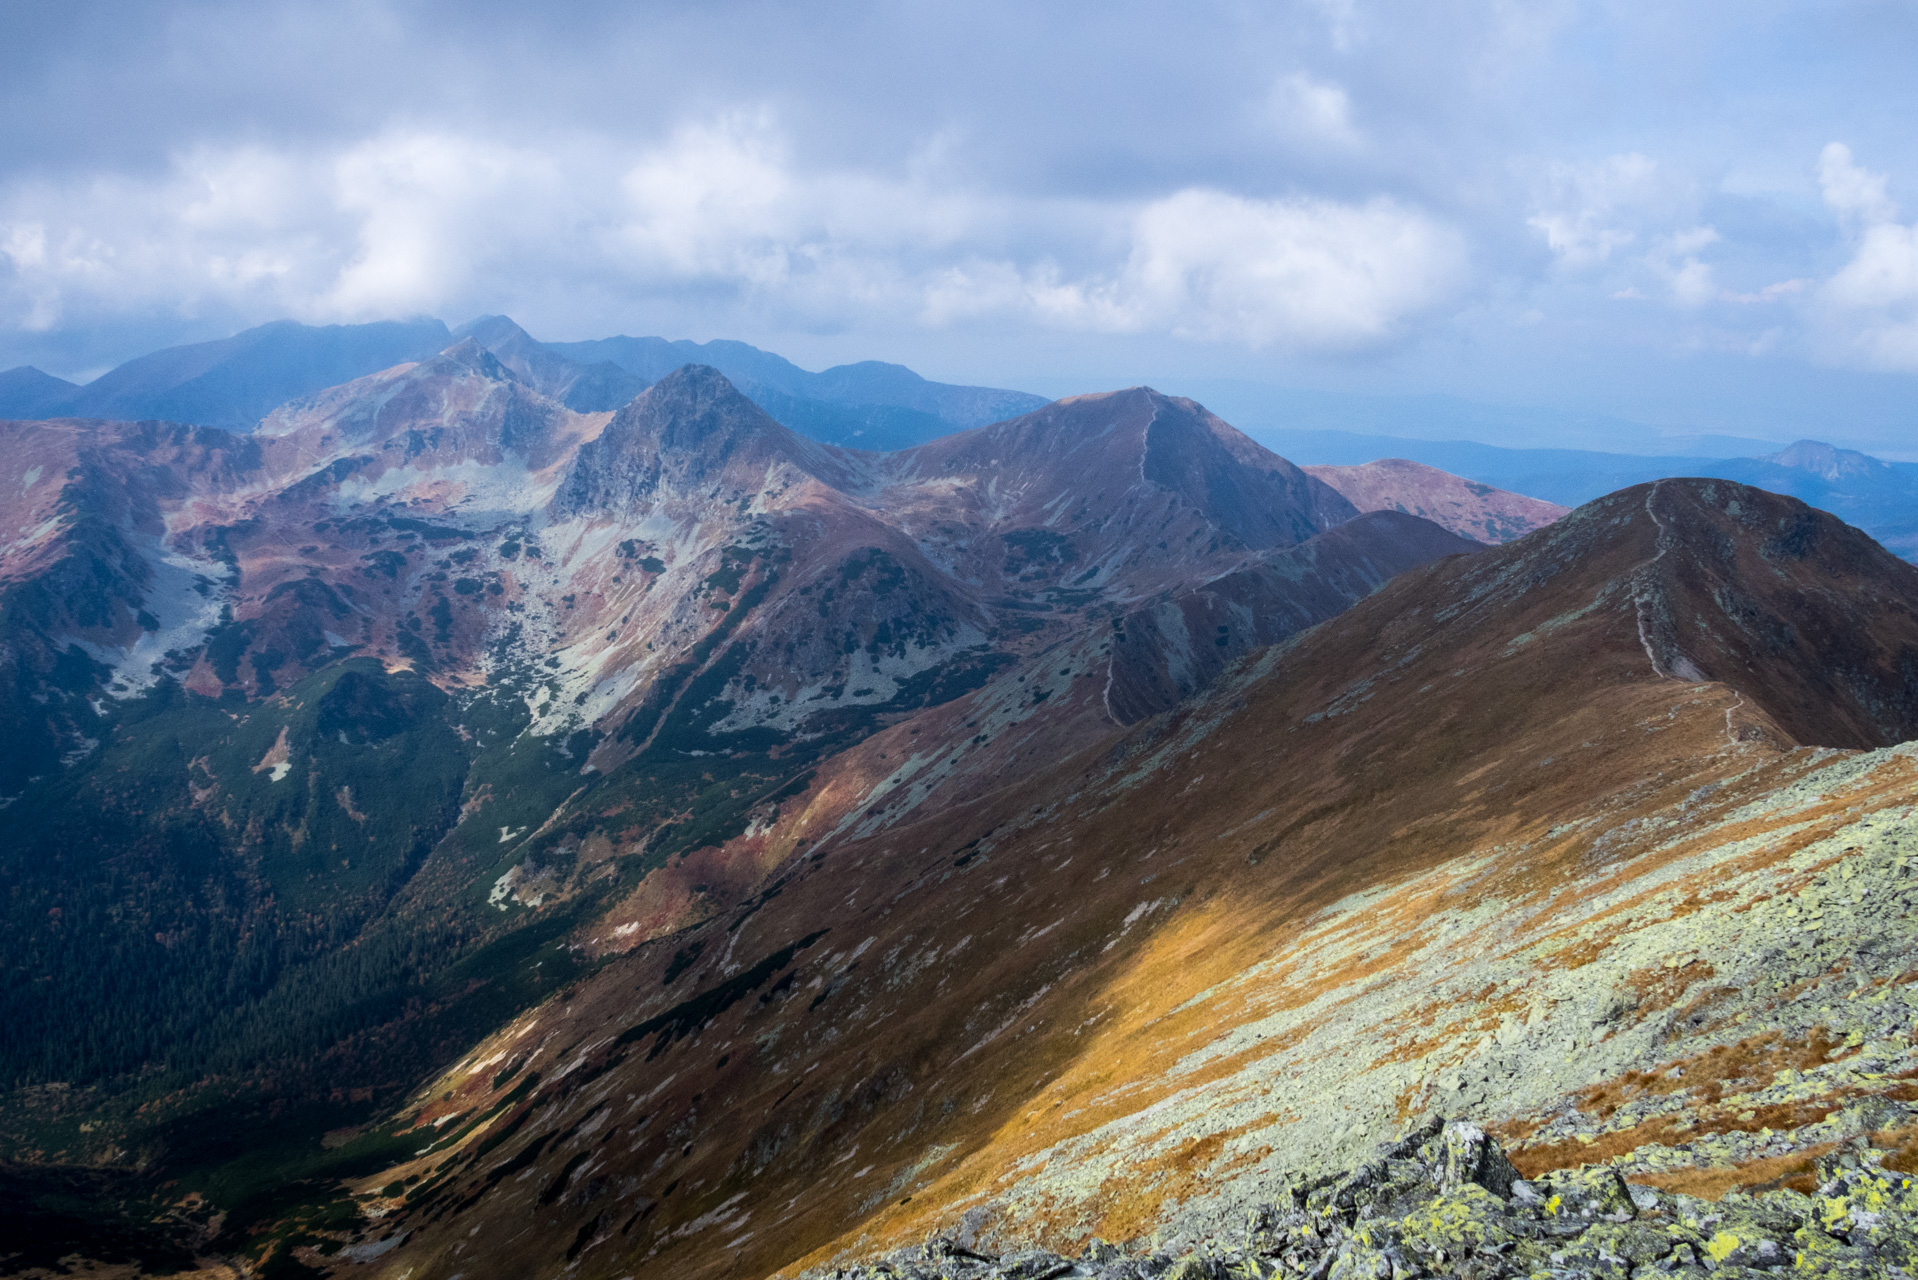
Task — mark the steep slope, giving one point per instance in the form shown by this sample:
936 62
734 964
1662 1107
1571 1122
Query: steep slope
1163 654
1422 857
234 382
1465 507
93 598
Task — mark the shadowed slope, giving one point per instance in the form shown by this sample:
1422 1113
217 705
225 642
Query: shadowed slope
1168 651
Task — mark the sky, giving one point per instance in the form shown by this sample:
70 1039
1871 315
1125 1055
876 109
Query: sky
1698 216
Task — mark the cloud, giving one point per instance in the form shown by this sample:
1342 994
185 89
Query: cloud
416 221
1061 194
1691 281
1313 111
1870 303
1590 211
1298 273
1851 192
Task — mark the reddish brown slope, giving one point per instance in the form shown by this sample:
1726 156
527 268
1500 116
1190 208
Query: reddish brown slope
869 1046
1120 495
1467 508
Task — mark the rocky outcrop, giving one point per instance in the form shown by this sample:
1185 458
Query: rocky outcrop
1444 1201
691 429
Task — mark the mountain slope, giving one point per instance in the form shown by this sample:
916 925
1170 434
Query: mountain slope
1246 937
342 741
1467 508
234 382
588 388
1163 654
25 392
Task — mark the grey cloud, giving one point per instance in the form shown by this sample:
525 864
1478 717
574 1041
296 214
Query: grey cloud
954 183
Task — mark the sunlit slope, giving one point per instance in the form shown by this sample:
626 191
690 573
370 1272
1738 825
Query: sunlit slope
1407 861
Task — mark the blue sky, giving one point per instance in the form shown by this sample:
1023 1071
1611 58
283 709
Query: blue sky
1699 216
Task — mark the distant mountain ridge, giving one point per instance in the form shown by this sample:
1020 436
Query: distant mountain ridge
1877 496
868 405
1465 507
234 383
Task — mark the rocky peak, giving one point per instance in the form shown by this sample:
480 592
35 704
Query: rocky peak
1711 580
683 432
1250 492
468 356
1826 461
584 388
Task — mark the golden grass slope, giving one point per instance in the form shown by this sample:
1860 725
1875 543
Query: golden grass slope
1472 847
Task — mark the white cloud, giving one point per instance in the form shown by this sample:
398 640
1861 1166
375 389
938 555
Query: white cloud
1588 212
1691 281
1591 213
1871 303
1299 274
1850 191
407 222
392 225
1296 273
1312 110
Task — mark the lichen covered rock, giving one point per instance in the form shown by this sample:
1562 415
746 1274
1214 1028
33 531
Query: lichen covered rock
1444 1201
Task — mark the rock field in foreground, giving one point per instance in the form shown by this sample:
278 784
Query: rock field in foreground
1445 1201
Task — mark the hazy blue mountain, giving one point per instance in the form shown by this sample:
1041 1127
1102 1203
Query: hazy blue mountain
236 381
869 405
26 392
1877 496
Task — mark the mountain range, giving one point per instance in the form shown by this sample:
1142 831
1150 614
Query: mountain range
1877 496
306 717
522 810
236 382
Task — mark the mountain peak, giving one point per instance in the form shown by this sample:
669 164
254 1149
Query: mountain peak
489 330
585 388
26 392
469 354
683 430
1826 461
695 401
